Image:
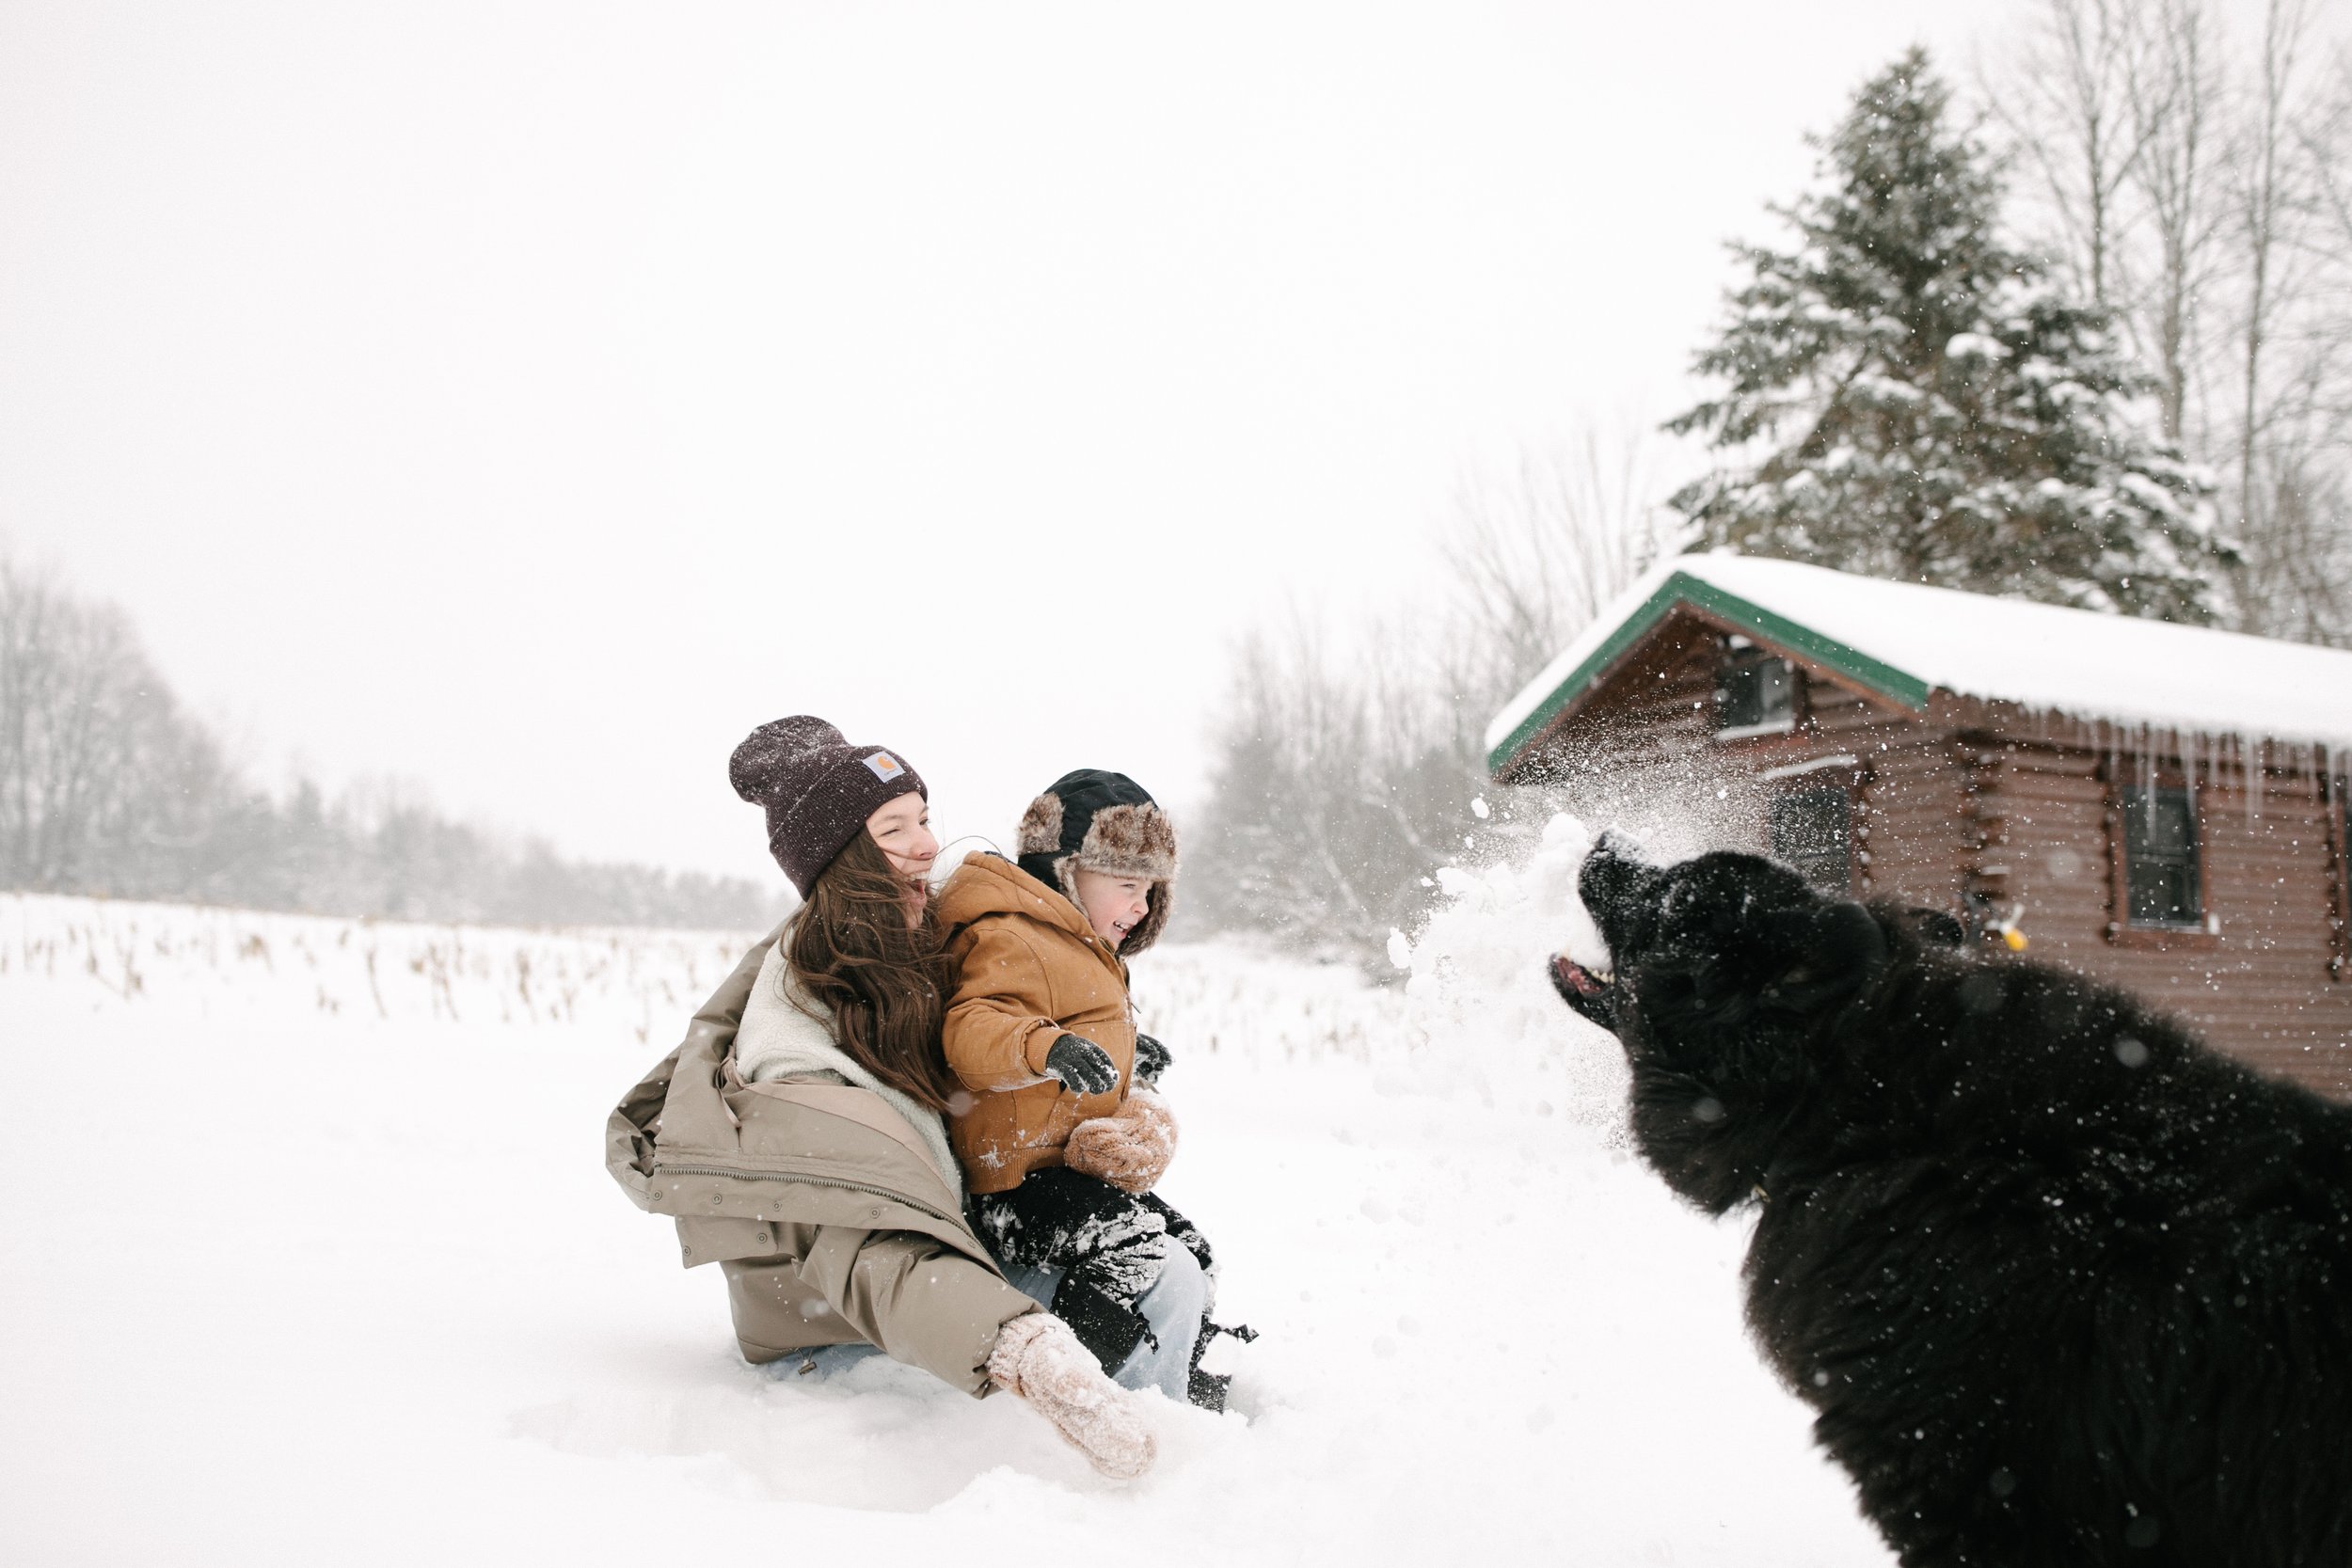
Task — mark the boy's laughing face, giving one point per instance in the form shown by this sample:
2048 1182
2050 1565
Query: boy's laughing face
1114 906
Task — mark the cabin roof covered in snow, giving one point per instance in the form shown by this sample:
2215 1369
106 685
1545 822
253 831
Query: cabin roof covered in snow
1904 641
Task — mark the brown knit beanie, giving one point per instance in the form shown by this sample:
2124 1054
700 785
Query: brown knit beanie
817 788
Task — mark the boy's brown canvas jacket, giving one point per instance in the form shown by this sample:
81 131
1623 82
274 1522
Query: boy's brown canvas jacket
816 1197
1027 968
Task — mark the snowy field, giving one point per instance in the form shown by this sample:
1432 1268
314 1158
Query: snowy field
311 1257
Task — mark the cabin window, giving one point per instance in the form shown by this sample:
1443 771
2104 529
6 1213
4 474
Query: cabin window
1813 832
2160 875
1756 693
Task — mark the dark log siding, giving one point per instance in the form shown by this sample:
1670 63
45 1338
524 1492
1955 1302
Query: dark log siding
1655 710
1969 799
2262 986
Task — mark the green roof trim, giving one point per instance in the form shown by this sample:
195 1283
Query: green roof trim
1680 589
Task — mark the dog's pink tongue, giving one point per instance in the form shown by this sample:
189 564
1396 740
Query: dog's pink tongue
1576 974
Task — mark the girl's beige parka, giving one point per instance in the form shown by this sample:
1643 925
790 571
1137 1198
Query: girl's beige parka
817 1200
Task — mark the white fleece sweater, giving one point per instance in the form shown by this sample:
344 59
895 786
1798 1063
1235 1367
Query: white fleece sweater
792 1037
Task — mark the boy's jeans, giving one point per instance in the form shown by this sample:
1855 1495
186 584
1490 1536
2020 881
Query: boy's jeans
1175 1306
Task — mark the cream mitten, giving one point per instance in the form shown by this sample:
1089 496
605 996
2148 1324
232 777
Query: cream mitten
1039 1358
1129 1149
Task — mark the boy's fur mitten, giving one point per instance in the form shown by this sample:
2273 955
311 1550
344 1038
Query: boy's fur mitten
1039 1358
1129 1149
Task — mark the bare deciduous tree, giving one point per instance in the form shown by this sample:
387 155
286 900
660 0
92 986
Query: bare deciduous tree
2196 179
2175 105
2293 274
1347 761
1534 553
84 721
106 787
2072 114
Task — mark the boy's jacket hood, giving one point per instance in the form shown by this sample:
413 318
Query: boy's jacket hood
987 884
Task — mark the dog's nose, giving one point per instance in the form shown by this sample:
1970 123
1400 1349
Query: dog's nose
1610 873
1613 845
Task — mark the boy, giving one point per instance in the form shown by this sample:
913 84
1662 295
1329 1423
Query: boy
1061 1142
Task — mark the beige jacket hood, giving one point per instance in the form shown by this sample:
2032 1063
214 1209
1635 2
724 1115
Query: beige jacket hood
822 1202
786 1033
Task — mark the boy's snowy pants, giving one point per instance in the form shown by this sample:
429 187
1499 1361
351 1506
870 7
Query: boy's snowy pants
1128 1272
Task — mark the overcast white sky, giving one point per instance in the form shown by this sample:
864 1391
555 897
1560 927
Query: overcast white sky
528 399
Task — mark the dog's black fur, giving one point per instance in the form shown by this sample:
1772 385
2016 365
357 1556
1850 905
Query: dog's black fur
2063 1285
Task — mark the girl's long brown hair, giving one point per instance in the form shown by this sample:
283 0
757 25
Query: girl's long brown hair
886 980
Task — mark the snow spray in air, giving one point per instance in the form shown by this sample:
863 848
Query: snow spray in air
1478 998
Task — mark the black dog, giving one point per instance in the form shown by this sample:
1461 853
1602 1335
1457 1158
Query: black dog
2063 1285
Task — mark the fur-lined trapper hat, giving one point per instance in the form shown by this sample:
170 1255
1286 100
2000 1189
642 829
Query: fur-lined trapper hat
1096 821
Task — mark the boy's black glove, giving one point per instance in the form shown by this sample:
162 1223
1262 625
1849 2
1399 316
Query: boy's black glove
1081 1065
1151 1059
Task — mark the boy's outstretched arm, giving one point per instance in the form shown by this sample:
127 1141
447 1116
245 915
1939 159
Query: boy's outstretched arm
998 1033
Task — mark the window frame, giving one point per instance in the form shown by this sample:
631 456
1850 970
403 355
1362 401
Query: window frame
1735 650
2122 930
1824 781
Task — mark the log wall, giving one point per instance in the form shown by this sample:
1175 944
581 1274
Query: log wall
1964 807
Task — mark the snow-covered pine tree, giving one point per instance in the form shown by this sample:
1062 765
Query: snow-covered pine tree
1908 397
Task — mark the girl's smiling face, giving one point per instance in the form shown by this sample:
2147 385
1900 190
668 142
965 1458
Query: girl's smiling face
902 828
1114 906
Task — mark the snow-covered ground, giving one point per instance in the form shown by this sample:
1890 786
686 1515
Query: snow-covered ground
308 1254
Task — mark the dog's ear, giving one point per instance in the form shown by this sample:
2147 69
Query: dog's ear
1838 948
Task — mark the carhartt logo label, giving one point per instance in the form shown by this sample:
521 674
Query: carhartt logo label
886 766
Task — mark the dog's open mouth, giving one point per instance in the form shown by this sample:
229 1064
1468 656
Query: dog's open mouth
1573 978
1591 993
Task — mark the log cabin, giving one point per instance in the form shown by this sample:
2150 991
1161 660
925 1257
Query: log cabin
2158 805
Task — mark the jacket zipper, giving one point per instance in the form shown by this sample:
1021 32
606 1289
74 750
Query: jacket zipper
740 1175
